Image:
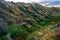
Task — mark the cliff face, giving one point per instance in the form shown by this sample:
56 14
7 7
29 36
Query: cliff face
25 14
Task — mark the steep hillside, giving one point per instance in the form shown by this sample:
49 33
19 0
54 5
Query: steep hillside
19 20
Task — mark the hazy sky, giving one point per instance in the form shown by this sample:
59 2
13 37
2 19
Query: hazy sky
31 0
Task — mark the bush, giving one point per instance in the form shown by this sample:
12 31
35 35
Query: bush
16 31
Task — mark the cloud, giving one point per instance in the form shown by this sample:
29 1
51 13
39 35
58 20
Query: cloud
25 0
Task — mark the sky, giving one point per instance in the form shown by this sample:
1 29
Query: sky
26 1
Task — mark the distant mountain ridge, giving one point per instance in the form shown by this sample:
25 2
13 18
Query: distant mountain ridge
52 4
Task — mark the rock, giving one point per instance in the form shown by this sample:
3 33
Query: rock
3 25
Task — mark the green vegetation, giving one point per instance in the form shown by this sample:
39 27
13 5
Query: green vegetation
10 11
16 30
27 22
